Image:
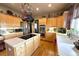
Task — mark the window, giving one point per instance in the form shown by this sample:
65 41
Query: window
75 27
73 23
77 24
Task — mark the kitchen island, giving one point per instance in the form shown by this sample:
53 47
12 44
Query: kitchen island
22 47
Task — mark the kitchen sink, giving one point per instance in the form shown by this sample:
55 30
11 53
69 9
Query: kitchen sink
25 37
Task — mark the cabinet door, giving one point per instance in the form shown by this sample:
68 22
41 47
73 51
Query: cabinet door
54 22
29 47
60 21
20 50
50 37
2 18
51 22
10 21
42 21
36 42
16 22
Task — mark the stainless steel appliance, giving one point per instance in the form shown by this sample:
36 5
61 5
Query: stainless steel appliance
42 30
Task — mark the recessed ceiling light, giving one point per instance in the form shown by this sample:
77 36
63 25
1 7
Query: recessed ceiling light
37 9
49 5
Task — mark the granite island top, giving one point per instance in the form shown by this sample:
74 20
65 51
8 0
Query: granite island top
15 41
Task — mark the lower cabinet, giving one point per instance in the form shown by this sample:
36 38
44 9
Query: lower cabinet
32 44
20 50
15 51
29 47
51 37
36 42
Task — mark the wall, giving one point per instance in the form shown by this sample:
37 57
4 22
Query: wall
3 8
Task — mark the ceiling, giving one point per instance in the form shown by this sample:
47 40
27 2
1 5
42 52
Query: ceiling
43 7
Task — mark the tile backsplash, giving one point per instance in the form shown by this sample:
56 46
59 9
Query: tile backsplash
7 31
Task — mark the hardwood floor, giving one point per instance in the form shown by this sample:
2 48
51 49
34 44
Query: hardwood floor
3 53
46 48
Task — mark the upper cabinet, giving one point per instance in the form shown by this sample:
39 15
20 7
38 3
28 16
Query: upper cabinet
51 22
42 21
9 21
55 21
60 21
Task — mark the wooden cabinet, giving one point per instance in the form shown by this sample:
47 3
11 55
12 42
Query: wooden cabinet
17 22
55 22
60 21
29 47
2 19
51 37
51 22
42 21
9 21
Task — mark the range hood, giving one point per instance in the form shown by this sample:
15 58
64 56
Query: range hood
28 18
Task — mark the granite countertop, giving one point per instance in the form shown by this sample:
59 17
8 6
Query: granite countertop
14 41
66 46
